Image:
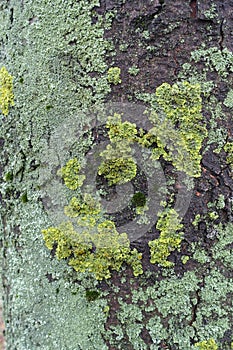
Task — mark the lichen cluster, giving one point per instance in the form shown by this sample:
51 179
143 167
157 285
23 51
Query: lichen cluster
179 126
228 148
92 243
118 165
168 224
187 312
50 53
114 74
70 174
6 91
207 345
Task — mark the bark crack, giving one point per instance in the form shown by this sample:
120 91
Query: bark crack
221 33
193 5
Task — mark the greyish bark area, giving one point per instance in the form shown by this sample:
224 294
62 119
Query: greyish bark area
57 54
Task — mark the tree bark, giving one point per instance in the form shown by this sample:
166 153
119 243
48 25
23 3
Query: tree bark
59 54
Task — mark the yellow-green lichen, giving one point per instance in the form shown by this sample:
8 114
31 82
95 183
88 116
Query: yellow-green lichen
179 126
70 174
92 243
6 91
168 224
228 148
119 131
96 252
207 345
118 165
114 75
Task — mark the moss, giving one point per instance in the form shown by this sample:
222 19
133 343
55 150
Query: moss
9 176
24 197
92 295
6 91
138 199
114 75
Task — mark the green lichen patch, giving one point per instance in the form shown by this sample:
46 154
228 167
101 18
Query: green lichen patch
114 74
92 243
70 174
170 239
228 102
179 130
96 253
207 345
120 131
6 91
215 59
51 53
181 104
228 148
118 166
178 311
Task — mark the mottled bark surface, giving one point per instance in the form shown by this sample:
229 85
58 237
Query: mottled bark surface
59 61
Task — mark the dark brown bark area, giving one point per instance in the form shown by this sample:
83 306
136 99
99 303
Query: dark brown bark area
176 28
158 37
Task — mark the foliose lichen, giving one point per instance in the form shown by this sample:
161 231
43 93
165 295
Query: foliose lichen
6 91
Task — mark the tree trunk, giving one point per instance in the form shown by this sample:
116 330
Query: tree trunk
59 54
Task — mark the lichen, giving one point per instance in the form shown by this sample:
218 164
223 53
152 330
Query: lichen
50 52
70 174
181 104
118 166
6 91
168 224
228 148
207 345
114 74
91 244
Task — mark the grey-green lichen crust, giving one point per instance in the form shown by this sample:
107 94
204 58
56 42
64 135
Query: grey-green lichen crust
42 314
50 48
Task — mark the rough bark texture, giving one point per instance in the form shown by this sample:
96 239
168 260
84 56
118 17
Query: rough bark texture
59 55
